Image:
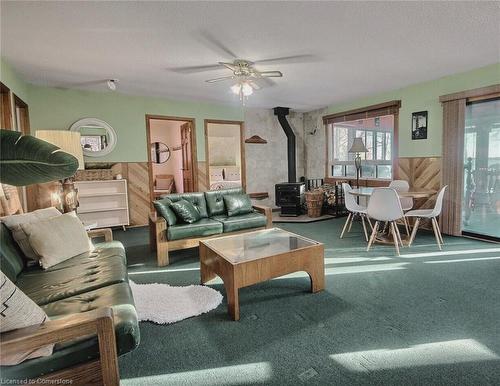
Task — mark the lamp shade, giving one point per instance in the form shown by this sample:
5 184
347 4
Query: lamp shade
358 146
67 141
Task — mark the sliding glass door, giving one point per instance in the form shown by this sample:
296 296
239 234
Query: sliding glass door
481 198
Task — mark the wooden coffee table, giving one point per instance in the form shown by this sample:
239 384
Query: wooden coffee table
254 257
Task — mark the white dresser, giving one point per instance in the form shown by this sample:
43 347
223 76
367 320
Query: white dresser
103 203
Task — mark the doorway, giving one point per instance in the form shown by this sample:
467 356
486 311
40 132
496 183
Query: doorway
172 161
481 195
225 154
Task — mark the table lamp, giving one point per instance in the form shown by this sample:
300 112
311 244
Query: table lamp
69 142
358 147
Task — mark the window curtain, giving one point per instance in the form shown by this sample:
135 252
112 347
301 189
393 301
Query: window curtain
452 171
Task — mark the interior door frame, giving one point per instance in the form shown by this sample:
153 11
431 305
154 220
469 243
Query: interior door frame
194 157
242 149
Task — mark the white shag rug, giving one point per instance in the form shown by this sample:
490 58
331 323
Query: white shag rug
165 304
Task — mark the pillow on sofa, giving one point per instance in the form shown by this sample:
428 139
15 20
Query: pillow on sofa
186 211
237 204
162 206
14 224
19 311
57 239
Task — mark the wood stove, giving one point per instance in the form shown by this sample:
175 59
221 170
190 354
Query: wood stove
290 197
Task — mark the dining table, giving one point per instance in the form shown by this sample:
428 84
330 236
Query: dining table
385 237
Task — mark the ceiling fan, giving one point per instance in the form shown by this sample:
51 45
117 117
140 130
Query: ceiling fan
247 77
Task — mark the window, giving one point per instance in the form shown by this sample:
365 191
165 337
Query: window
377 135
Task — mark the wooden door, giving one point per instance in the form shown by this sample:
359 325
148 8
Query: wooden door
187 158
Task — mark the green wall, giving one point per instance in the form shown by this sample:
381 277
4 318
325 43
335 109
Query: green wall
52 108
13 81
421 97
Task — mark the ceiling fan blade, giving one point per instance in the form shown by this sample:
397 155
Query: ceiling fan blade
306 58
216 45
264 82
215 80
270 74
194 69
254 85
230 66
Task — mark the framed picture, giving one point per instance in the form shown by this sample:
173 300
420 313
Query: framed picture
419 125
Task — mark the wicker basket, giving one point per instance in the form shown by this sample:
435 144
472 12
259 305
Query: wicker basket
314 202
94 175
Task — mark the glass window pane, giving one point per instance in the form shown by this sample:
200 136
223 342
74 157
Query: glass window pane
388 146
350 171
384 171
338 170
368 171
379 146
369 145
340 143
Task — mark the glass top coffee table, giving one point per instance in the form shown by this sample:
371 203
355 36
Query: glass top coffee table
249 258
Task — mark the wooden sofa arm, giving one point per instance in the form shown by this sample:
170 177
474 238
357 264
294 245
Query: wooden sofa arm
158 238
267 211
96 322
107 233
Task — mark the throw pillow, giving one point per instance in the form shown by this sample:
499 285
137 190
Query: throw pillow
57 239
232 173
18 311
14 224
237 204
186 211
162 206
216 174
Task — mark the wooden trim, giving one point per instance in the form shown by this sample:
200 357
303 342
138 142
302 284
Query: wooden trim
396 104
483 92
242 148
6 107
96 322
194 152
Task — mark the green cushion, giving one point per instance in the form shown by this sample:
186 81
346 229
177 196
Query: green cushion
237 204
195 198
243 221
162 206
204 227
118 297
215 200
80 274
11 257
185 211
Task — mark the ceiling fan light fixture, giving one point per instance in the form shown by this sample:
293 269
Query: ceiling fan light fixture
246 89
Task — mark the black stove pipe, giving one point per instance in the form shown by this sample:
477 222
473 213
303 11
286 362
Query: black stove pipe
281 113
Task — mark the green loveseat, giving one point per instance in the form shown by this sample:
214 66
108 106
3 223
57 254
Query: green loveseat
170 234
90 306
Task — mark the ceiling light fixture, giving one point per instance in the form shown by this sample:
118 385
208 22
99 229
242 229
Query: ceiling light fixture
242 89
112 84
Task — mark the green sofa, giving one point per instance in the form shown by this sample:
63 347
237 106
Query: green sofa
83 293
170 234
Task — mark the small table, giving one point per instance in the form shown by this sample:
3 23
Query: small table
249 258
415 194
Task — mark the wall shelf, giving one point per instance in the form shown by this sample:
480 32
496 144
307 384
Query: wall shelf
255 139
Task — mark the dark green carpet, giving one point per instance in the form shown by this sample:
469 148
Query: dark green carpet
424 318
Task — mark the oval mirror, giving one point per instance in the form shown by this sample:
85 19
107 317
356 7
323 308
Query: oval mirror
98 138
160 152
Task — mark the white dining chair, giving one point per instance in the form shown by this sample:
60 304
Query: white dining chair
431 214
384 206
354 210
406 202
